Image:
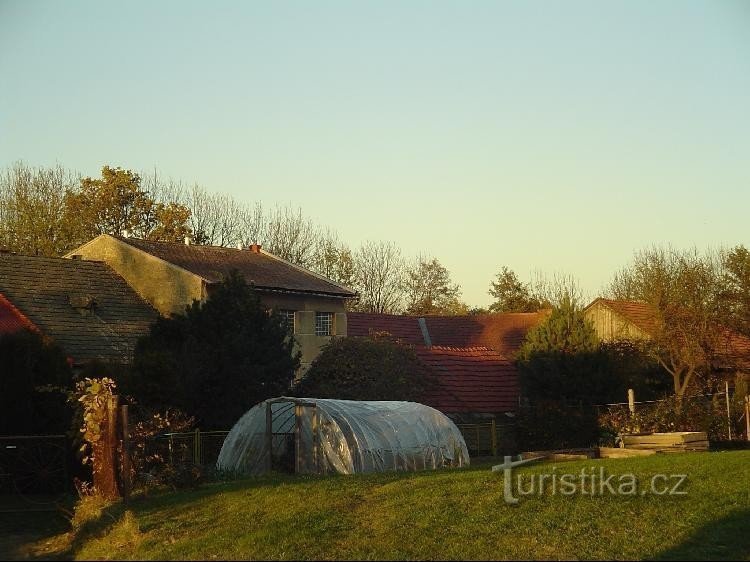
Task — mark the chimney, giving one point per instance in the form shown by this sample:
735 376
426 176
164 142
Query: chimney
255 248
126 233
240 246
187 241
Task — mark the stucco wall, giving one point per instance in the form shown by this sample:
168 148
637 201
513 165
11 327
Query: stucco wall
304 321
167 287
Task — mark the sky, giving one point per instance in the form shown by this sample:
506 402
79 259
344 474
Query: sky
544 136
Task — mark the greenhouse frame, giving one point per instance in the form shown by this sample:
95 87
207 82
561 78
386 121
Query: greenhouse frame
320 436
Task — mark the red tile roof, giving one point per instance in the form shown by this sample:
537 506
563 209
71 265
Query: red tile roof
403 328
261 268
503 332
11 319
474 380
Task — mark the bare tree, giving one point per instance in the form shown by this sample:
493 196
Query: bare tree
290 235
379 277
333 259
252 224
557 290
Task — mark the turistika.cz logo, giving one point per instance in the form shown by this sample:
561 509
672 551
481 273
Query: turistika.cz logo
590 481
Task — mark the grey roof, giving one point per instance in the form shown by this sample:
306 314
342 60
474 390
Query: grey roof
84 306
263 269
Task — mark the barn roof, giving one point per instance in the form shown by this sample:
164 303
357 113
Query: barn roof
84 306
261 268
470 380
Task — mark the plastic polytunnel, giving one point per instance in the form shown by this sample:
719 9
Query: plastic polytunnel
318 436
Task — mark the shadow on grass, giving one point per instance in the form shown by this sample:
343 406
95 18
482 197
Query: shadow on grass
20 531
724 539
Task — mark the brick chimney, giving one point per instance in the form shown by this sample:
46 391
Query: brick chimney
255 248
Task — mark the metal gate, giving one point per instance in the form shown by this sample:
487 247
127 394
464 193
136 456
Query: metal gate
34 471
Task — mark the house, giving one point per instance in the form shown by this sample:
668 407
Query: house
470 357
170 276
84 306
636 320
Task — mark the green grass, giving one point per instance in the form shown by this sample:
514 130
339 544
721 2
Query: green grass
444 514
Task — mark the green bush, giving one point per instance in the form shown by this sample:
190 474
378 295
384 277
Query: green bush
365 369
217 360
693 413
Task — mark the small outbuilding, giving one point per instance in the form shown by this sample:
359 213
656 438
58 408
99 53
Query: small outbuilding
319 436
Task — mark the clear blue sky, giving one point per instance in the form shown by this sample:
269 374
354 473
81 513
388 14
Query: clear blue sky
557 136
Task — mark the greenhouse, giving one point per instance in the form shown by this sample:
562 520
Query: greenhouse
319 436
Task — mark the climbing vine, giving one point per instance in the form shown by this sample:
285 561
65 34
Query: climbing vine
93 395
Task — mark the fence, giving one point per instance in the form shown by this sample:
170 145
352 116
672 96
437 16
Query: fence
34 471
197 447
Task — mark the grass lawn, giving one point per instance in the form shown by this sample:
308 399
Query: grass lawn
434 515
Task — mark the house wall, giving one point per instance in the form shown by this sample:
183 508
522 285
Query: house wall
170 289
167 287
611 326
304 321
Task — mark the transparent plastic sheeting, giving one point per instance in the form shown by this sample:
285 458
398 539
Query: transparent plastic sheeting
318 436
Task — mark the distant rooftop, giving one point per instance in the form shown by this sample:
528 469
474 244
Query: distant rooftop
502 332
257 266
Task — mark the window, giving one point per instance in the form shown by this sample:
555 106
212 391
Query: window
323 323
288 316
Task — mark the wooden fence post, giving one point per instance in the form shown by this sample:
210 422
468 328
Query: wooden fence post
729 413
631 401
126 480
494 438
269 436
105 455
747 417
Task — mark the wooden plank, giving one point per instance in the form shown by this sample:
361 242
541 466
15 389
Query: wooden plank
617 453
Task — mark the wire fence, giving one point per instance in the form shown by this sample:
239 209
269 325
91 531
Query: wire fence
197 447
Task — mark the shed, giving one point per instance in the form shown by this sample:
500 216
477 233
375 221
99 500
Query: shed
319 436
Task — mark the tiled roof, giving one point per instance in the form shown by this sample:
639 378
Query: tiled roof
404 328
11 319
84 306
470 380
263 269
503 332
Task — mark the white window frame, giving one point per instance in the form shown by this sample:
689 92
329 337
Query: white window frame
289 314
319 325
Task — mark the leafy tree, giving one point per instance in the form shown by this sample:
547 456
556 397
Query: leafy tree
511 295
736 288
218 359
685 292
117 203
32 211
429 290
365 369
33 370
